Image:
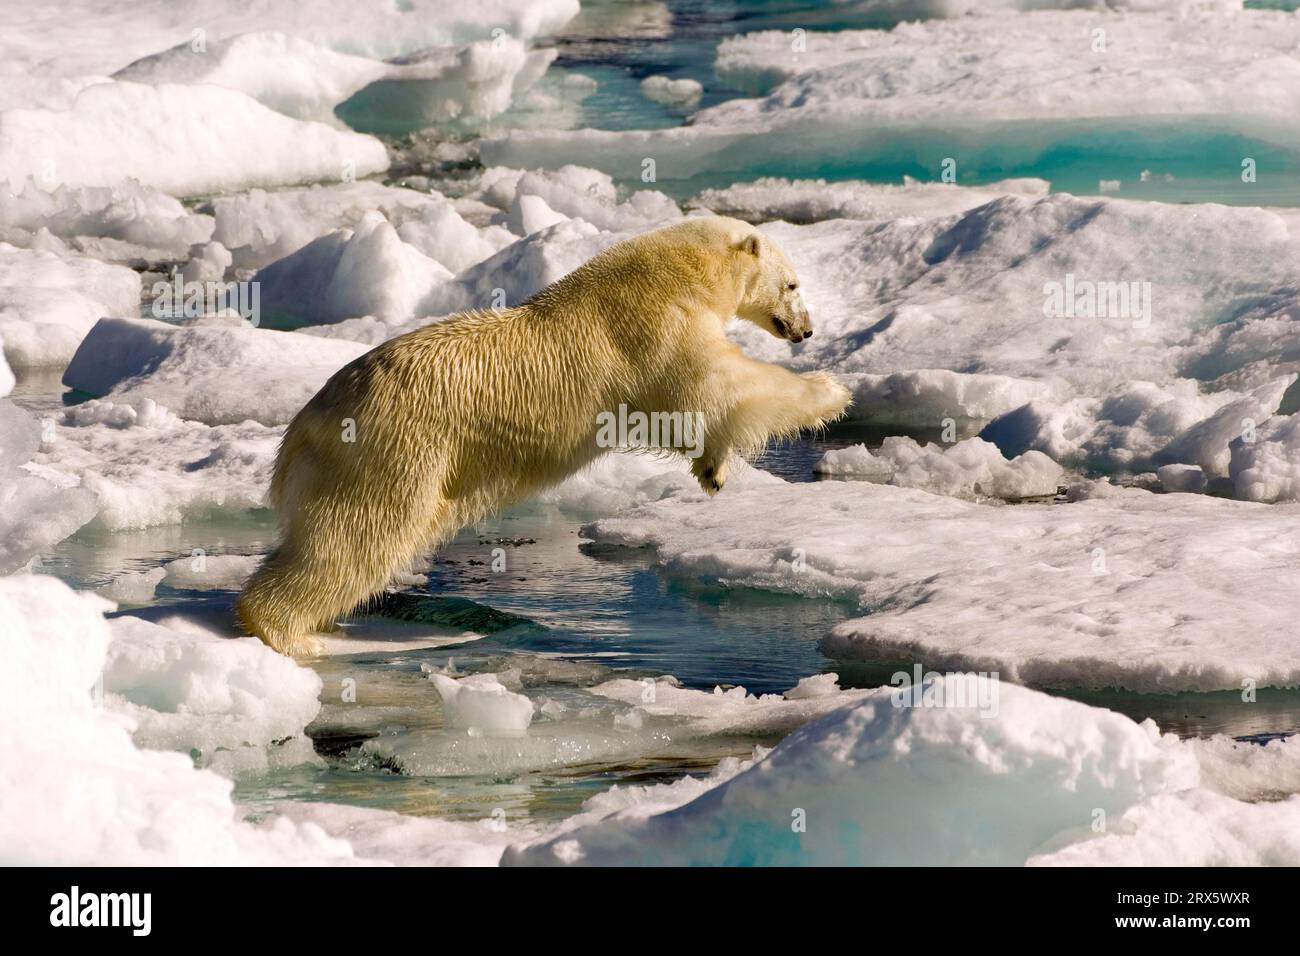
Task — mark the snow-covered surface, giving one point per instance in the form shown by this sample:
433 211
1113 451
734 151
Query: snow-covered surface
144 466
1136 590
89 794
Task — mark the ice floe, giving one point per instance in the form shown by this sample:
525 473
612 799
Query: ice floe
812 200
874 783
1135 590
193 369
142 122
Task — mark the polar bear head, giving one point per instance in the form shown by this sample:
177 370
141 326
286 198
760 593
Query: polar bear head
770 289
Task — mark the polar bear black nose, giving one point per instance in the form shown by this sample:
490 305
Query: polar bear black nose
808 334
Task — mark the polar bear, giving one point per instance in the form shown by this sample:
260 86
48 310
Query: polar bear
435 429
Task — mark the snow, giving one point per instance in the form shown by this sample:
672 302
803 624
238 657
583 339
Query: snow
116 131
968 469
189 369
48 302
1153 593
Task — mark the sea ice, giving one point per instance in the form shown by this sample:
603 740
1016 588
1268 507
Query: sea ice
48 302
35 514
143 466
1154 593
190 369
663 89
813 200
116 131
90 795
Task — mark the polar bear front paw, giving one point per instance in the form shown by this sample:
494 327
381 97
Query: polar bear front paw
711 474
827 398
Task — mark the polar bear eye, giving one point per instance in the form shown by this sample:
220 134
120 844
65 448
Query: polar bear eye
791 286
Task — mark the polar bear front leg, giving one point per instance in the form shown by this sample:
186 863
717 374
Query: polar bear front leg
755 402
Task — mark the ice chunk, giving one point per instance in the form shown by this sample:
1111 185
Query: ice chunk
89 38
35 514
352 273
580 193
140 217
927 397
855 461
530 214
1267 467
143 466
441 233
259 227
189 368
1182 478
968 469
146 806
663 89
233 704
481 704
286 73
818 685
49 302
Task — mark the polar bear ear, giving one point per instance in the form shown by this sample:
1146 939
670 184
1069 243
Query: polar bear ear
749 244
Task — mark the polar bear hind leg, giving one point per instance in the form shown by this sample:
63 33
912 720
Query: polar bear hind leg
337 550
